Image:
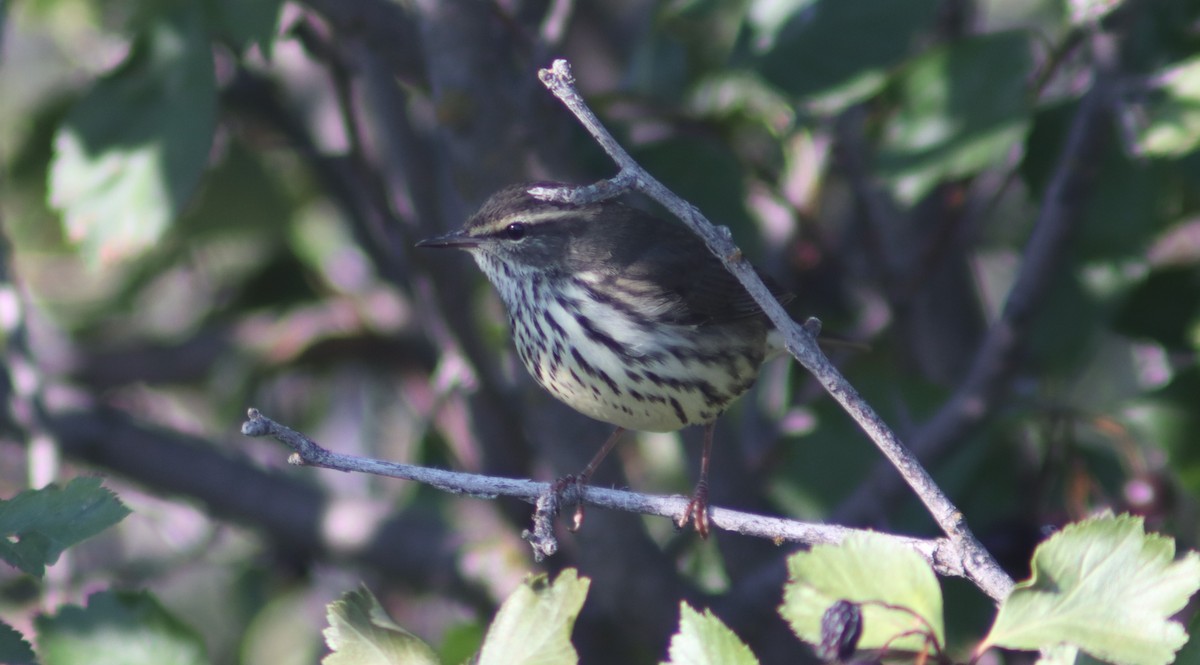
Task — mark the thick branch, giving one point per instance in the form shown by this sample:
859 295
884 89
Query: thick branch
940 553
981 567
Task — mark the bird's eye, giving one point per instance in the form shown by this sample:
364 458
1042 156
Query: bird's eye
514 231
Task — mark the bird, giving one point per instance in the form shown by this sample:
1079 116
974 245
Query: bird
622 315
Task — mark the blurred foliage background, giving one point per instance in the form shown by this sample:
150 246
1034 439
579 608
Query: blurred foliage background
211 205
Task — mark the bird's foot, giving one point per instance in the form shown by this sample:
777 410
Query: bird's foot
569 489
697 510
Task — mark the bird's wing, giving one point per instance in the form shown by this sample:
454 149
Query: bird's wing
673 272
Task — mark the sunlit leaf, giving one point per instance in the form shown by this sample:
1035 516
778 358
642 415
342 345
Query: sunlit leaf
704 640
1190 653
1106 587
131 151
533 627
895 587
361 633
1063 654
1173 121
740 94
963 106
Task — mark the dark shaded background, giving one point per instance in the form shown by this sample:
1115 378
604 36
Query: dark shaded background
921 174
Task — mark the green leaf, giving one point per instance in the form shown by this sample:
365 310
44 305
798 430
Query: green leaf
247 22
896 588
533 627
361 633
717 189
741 95
14 650
461 642
963 107
1066 654
704 640
1172 124
836 51
1130 201
1106 587
118 628
131 151
37 525
1063 654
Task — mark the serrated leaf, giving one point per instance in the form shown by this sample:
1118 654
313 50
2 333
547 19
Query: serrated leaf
37 525
14 650
361 633
533 626
1063 654
1173 121
873 571
131 151
1105 586
703 639
117 628
963 106
1190 653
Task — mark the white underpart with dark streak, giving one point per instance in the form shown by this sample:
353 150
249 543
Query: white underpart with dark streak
615 367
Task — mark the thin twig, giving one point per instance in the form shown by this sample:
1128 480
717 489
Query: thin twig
981 567
939 553
408 547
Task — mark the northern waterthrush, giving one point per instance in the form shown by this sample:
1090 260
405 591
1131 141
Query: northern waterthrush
626 317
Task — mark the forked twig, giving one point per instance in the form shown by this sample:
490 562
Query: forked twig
958 555
980 566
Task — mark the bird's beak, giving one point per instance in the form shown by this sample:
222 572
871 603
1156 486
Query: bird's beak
455 239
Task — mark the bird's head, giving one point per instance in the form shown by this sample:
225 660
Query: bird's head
515 230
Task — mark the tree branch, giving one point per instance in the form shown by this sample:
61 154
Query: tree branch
408 547
981 567
940 553
996 360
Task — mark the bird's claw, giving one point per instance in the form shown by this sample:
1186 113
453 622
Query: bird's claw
562 487
697 511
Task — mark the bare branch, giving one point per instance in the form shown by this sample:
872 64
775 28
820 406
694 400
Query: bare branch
940 553
996 360
981 567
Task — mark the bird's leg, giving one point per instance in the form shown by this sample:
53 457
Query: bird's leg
697 508
580 479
